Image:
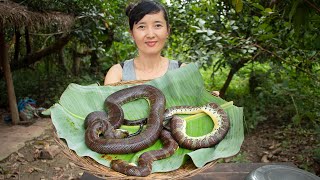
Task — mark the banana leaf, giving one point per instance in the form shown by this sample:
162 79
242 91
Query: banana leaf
183 86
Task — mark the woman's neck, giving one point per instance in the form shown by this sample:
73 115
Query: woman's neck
150 67
149 62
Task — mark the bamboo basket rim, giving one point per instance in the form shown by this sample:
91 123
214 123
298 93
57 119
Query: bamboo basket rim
131 82
88 164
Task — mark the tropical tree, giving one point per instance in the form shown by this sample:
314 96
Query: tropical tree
236 33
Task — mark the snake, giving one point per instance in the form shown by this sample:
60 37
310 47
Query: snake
112 141
178 126
103 136
145 160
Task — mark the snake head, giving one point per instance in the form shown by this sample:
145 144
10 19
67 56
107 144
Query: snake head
120 133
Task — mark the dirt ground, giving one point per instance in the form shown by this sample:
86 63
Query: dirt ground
29 163
268 143
281 143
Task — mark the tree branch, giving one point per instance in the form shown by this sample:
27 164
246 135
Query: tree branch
36 56
312 5
286 61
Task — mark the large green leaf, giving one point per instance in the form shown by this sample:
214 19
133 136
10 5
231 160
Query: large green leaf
183 86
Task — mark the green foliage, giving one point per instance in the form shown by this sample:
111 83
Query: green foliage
266 40
44 84
238 5
280 97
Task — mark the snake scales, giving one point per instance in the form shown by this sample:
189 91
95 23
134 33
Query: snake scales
103 136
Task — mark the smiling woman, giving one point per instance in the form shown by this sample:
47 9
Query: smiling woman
149 28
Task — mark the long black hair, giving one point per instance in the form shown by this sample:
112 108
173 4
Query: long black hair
137 11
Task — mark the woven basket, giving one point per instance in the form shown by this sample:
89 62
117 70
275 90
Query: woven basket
101 171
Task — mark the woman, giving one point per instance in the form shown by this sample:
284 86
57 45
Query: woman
149 28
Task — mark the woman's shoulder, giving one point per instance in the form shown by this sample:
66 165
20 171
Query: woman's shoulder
114 74
122 66
115 67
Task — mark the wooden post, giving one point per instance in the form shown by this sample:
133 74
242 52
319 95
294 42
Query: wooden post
8 76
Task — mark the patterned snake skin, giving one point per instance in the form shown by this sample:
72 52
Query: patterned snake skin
103 136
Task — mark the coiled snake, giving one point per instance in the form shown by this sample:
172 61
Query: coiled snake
103 136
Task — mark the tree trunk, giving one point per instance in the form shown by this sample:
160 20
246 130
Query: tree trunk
94 66
77 60
62 61
28 42
234 69
76 63
8 76
94 60
17 45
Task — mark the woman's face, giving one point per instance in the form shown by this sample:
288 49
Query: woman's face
150 33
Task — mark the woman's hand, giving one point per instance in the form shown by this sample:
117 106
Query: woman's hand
215 93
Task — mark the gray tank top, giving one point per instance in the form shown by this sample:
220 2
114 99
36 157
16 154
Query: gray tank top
129 74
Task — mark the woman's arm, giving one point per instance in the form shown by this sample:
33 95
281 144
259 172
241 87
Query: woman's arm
114 74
